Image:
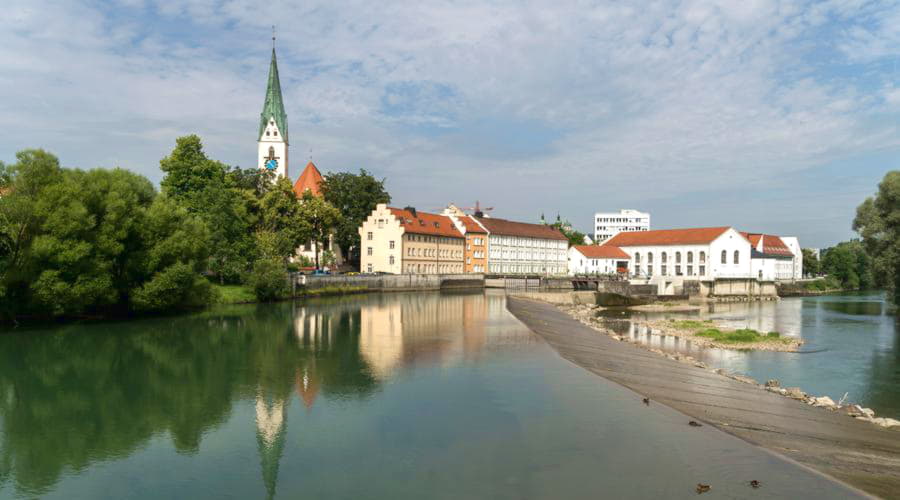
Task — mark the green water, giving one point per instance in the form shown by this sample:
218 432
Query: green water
380 396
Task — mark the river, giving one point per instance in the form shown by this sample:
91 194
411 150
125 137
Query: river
418 395
851 345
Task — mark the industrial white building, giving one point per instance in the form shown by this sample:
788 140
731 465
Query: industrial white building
597 259
609 224
707 254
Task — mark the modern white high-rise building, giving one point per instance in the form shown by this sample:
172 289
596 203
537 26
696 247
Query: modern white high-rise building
609 224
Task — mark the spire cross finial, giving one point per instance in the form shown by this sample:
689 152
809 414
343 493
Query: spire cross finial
273 36
310 154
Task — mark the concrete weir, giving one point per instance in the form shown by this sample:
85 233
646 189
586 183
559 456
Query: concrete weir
858 453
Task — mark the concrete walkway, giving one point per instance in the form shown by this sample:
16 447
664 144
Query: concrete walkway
858 453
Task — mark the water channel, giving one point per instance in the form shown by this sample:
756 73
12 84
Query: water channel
851 345
424 395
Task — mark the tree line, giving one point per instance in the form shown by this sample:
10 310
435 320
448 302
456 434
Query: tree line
872 261
105 241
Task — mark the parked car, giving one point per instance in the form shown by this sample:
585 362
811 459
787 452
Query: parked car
321 272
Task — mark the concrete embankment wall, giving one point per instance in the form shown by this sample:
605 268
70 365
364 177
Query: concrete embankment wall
559 298
495 281
392 282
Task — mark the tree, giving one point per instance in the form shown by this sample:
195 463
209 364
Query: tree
574 237
322 219
848 263
226 199
878 222
282 226
354 196
811 264
78 243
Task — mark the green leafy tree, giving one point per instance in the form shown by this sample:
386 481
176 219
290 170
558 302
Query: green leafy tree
354 196
849 263
575 237
269 279
78 242
226 199
811 264
878 222
322 219
281 223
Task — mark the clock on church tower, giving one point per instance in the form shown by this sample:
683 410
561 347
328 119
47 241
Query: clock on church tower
273 128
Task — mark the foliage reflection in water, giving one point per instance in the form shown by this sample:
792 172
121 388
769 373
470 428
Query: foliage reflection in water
397 395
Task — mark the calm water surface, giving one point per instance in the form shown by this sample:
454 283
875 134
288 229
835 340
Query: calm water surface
381 396
852 346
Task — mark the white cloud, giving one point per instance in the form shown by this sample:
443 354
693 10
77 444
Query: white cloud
652 101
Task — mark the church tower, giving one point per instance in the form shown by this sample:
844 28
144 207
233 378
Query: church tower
273 127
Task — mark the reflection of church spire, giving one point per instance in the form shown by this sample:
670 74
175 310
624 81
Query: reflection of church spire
308 384
271 427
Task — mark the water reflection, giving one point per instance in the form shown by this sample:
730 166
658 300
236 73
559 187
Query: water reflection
87 393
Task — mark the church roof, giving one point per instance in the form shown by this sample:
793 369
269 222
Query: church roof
274 104
309 179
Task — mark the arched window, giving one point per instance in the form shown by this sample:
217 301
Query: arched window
702 257
664 257
637 258
649 257
737 256
724 257
690 257
678 257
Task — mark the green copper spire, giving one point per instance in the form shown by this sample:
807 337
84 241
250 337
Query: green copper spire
274 105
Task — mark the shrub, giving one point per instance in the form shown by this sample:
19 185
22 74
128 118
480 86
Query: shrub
176 287
268 279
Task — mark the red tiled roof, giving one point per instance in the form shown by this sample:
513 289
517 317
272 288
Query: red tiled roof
426 223
471 225
771 245
662 237
601 252
511 228
309 179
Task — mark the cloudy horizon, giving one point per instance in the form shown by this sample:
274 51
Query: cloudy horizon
769 116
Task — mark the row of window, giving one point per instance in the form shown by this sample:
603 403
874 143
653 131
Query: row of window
665 256
626 220
664 270
622 229
432 268
442 253
527 242
535 269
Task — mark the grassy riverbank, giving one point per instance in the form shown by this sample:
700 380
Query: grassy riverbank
240 294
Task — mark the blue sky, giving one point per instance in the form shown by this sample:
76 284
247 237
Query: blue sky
765 115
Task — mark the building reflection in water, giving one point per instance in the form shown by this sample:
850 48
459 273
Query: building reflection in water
349 347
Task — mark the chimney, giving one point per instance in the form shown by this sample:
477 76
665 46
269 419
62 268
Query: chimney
411 210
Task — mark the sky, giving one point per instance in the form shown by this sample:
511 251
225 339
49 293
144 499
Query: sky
770 116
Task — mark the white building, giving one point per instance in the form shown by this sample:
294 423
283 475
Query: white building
793 243
523 248
708 253
696 253
609 224
272 142
775 258
597 259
